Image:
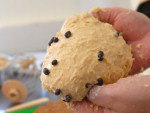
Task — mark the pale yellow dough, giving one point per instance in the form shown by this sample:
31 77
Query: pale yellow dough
77 57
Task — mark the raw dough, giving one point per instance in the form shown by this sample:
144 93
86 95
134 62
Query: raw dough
55 107
76 48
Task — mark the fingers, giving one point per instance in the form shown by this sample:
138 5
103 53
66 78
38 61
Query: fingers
108 111
131 24
108 15
102 95
118 97
141 49
134 27
131 91
88 107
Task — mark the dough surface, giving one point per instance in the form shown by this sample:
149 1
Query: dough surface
55 107
78 62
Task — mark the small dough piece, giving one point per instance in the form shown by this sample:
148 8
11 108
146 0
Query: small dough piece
77 57
138 46
55 107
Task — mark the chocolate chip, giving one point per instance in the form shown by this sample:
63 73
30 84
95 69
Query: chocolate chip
100 55
57 92
67 98
117 34
55 39
51 41
54 62
46 71
68 34
89 85
100 82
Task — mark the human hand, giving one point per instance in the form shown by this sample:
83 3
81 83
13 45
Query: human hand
127 95
116 98
135 28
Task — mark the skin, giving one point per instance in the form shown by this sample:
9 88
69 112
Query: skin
131 94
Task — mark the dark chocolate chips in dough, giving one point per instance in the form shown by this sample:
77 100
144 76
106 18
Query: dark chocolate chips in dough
67 98
54 62
100 82
57 92
100 55
117 34
56 39
51 41
68 34
46 71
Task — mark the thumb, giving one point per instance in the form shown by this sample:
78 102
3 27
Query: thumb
103 95
125 21
108 15
134 28
86 106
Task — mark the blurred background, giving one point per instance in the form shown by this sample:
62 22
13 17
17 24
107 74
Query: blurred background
26 26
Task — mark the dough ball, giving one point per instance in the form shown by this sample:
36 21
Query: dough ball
86 52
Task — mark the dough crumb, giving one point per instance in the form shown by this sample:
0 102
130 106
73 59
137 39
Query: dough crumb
138 46
96 10
142 69
129 11
92 105
137 75
96 107
141 56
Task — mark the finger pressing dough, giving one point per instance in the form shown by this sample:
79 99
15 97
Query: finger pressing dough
86 52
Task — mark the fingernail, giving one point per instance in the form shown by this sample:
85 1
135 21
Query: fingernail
94 92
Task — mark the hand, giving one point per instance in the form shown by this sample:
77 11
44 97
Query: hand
128 95
135 28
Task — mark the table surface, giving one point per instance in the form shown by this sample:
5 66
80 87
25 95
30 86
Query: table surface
33 85
38 93
5 103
